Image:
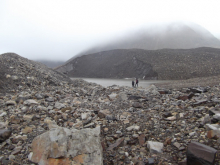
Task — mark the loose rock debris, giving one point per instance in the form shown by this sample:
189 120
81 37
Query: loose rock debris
134 125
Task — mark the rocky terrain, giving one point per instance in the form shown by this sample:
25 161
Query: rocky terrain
17 72
164 64
53 120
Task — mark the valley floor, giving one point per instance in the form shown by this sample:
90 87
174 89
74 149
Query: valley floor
202 81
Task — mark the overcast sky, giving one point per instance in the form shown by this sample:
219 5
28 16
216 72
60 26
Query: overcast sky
59 29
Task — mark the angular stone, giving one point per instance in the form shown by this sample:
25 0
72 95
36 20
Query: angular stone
3 114
11 157
112 96
163 92
167 114
212 126
213 134
50 99
3 124
27 130
217 116
150 161
152 90
171 118
60 144
137 105
4 134
133 127
206 119
141 139
30 101
123 96
184 98
84 116
177 145
10 102
200 154
103 113
17 150
28 117
167 141
14 119
59 105
155 147
116 144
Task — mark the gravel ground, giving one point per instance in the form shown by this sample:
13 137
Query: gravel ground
194 82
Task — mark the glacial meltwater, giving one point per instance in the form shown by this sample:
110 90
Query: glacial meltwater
121 82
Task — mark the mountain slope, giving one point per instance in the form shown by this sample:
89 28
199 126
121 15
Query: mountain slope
18 73
50 63
164 64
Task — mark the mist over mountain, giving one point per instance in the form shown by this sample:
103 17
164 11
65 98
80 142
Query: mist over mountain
176 35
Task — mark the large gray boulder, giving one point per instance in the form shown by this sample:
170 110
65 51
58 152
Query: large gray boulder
64 146
200 154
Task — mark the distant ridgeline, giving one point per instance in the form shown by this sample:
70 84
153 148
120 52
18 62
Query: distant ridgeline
164 64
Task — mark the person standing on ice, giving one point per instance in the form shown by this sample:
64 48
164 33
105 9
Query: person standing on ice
136 82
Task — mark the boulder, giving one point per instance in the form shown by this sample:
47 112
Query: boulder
64 146
200 154
155 147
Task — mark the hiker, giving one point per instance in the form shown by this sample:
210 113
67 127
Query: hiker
132 83
136 82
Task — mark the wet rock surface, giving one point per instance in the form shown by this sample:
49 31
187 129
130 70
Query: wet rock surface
137 125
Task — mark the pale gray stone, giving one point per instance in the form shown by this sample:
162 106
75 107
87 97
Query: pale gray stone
155 147
59 105
30 101
133 127
10 102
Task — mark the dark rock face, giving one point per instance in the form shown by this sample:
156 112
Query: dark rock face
4 134
200 154
161 64
109 65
